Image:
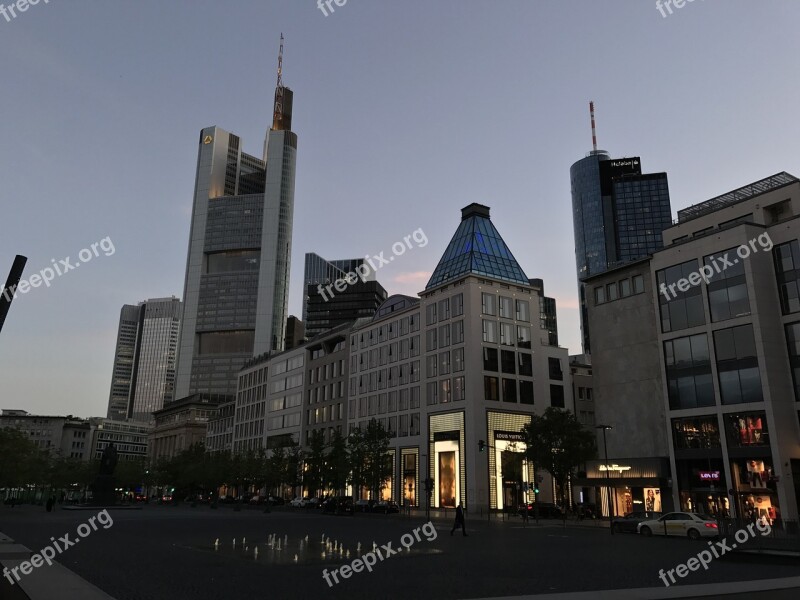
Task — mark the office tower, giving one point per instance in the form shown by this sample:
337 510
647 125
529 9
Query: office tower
618 215
237 269
295 332
328 309
703 338
143 377
319 271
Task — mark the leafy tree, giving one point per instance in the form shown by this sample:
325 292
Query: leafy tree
22 463
338 464
369 458
314 475
558 443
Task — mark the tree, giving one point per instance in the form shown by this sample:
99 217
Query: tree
369 458
23 463
557 442
338 465
315 463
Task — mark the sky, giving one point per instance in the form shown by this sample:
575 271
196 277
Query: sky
406 112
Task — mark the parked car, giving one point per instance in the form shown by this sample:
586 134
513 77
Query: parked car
275 501
363 505
547 510
314 503
691 525
630 522
299 502
386 507
338 505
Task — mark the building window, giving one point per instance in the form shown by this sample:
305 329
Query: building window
523 311
430 314
458 359
506 308
557 396
696 433
611 291
458 389
458 305
737 365
489 331
523 336
793 341
490 391
444 391
508 361
490 359
625 288
681 303
599 295
638 284
507 334
488 304
525 364
526 392
444 309
432 362
444 363
787 269
432 393
509 390
444 336
430 340
458 332
746 430
554 368
688 368
727 290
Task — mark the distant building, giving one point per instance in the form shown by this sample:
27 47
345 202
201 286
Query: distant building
580 368
618 215
181 424
65 436
295 332
219 434
145 359
129 438
328 310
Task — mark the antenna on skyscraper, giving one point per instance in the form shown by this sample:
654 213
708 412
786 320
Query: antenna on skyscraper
594 130
277 115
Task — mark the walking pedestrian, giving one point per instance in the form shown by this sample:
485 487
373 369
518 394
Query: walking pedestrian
459 521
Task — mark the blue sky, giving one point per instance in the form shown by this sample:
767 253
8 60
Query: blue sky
405 111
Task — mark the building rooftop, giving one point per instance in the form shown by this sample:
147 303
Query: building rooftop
477 248
741 194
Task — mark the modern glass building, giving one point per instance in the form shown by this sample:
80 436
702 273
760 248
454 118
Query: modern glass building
237 270
319 271
143 379
618 216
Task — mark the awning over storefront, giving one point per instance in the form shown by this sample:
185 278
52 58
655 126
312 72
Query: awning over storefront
630 472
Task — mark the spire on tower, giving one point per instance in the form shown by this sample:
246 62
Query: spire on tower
594 130
277 115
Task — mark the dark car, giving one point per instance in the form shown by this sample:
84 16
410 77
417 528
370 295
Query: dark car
275 501
629 523
547 510
364 505
386 507
338 505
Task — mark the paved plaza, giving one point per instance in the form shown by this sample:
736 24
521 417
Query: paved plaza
166 552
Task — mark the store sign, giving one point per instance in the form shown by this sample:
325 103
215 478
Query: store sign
709 475
509 436
615 468
446 436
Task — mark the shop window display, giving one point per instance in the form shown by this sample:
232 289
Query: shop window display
747 429
697 432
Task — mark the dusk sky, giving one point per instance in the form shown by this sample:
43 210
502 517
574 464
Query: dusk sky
405 111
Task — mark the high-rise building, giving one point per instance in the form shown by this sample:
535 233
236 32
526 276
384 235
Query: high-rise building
329 309
618 215
295 332
143 378
319 271
237 270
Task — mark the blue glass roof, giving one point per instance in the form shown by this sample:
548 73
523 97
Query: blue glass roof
478 249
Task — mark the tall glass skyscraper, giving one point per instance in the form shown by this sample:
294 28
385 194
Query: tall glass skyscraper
143 379
618 216
240 243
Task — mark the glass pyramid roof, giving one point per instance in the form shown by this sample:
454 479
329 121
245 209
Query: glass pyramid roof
477 248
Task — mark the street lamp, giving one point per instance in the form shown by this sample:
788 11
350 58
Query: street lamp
608 487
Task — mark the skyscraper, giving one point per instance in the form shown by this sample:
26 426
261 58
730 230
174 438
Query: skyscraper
618 215
143 378
237 270
324 310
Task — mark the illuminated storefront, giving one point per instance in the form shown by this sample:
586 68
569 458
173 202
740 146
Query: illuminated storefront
636 484
446 466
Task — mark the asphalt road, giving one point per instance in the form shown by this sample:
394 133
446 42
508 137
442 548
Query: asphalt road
167 553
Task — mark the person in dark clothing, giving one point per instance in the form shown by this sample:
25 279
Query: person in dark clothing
50 502
459 521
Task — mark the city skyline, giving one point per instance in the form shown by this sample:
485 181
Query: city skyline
349 181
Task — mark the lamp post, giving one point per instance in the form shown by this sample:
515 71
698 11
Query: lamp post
608 487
